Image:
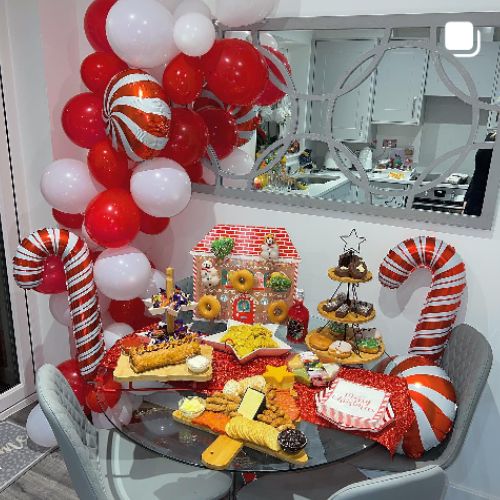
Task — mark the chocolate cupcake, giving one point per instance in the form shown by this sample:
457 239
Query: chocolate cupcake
358 270
292 440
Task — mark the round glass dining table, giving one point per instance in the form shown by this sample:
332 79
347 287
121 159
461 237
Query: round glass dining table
153 427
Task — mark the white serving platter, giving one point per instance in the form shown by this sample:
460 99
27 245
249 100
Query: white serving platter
215 341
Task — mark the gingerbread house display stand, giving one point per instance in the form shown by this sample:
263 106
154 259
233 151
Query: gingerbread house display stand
249 273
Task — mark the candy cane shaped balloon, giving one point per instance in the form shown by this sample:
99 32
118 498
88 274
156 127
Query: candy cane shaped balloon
83 302
443 300
137 114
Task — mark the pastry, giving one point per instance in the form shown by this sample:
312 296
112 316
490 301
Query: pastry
334 303
292 440
342 271
358 270
340 349
208 307
277 311
342 311
198 364
371 346
345 260
363 308
242 280
295 363
320 341
151 357
253 431
318 377
219 402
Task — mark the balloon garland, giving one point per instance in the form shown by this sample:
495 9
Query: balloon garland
433 400
78 269
443 300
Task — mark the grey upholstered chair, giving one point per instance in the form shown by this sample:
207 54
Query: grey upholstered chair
103 465
467 360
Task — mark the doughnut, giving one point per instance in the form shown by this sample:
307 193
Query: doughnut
277 312
320 341
208 307
242 280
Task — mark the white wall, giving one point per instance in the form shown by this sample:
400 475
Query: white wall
316 235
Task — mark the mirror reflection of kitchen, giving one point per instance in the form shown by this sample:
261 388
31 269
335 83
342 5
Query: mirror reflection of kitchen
399 120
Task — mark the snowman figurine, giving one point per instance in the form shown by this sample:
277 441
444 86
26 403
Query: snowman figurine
209 275
270 250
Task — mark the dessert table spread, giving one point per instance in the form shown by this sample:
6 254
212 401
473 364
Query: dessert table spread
154 426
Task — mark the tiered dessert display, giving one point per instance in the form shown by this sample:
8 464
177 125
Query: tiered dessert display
341 339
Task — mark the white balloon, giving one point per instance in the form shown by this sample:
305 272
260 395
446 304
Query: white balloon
238 162
171 5
144 242
268 40
140 32
157 281
59 308
194 34
67 186
101 421
122 273
115 332
235 13
160 187
192 6
39 430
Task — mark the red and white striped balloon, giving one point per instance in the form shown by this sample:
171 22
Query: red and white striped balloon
443 300
433 400
83 301
246 117
137 115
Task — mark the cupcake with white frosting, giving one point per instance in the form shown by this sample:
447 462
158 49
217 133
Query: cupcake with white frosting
340 349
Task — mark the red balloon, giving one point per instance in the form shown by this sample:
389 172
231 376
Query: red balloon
182 79
188 137
71 373
221 130
98 68
128 311
94 24
153 225
104 396
72 221
195 171
53 278
112 218
273 94
82 119
235 71
108 166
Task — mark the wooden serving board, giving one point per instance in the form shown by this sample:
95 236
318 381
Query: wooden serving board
124 373
216 457
354 359
333 276
350 318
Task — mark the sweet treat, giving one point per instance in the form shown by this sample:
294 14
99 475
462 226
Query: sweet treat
334 303
345 260
367 333
302 376
318 377
238 387
308 357
252 403
245 339
358 270
219 402
320 341
208 307
192 406
198 364
216 422
340 349
292 440
241 280
342 271
371 346
253 431
363 308
342 311
295 363
331 369
277 312
151 357
279 376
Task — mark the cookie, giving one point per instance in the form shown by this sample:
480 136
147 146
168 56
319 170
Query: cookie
340 349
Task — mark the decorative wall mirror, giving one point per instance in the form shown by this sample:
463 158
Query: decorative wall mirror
387 115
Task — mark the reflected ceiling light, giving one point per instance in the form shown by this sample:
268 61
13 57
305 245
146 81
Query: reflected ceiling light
461 38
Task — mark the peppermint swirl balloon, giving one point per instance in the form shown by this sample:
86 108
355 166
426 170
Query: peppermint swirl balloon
433 400
443 300
137 115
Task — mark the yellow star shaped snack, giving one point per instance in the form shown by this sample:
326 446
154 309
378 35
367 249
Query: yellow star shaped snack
279 376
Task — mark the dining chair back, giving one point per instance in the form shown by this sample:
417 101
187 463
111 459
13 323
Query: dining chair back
428 482
76 436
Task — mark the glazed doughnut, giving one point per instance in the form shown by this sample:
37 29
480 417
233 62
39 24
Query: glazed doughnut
277 312
242 280
208 307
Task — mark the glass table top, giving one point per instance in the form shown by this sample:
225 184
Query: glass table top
154 428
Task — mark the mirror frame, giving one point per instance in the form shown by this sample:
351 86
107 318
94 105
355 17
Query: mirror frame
255 198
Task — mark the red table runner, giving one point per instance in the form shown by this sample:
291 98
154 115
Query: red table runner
226 366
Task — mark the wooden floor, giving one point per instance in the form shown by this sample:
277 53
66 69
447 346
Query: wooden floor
48 479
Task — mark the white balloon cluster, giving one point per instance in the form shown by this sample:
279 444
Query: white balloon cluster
236 13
